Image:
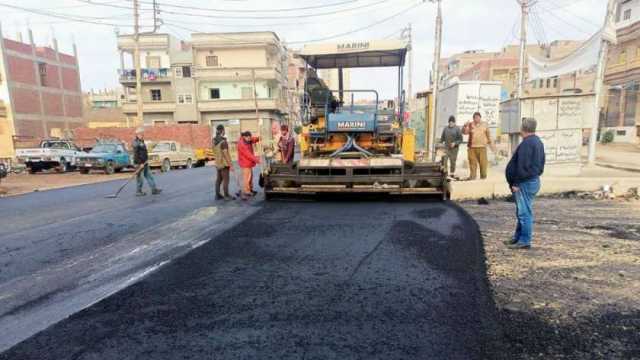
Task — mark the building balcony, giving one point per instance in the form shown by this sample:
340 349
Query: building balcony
237 74
147 41
150 107
241 105
128 76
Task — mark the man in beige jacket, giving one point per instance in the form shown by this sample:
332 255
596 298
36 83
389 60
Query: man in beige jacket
479 139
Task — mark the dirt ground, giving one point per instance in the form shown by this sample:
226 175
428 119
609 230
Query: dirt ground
576 293
16 184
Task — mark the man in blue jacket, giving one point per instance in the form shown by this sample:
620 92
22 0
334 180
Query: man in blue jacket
523 175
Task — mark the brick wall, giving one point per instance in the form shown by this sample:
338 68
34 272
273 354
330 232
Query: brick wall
29 128
52 104
21 70
26 101
17 46
47 53
70 80
73 105
51 79
67 59
196 136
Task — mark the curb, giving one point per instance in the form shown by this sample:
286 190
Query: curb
617 167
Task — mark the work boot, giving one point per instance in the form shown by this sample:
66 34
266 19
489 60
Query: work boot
254 193
229 198
510 242
156 191
519 246
141 193
219 197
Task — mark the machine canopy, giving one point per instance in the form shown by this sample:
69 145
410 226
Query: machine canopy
356 54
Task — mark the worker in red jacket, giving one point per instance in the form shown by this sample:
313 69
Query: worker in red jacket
247 161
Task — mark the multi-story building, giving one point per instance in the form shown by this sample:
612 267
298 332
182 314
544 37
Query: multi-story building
241 81
331 77
168 88
622 74
210 80
40 90
103 108
296 78
503 66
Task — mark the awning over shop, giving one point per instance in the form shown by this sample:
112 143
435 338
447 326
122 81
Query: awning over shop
357 54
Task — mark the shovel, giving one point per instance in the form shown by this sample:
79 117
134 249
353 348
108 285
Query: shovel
114 196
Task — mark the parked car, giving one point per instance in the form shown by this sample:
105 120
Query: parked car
170 154
52 154
3 171
109 157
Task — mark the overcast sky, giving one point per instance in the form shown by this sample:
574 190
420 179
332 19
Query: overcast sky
468 24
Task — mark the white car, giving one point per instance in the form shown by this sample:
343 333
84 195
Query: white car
52 154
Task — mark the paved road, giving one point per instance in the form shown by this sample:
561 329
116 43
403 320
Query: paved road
372 280
63 250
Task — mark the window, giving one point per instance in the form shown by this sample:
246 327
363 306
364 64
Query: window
173 147
247 93
555 83
269 93
185 99
153 62
622 59
548 83
186 71
534 84
627 14
212 60
214 93
541 83
178 72
156 95
42 69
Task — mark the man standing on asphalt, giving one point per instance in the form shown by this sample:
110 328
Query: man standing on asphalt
140 157
452 138
479 139
523 175
224 166
247 160
286 145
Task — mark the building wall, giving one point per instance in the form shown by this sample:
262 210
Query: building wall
233 90
234 58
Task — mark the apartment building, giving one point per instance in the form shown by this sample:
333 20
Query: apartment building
103 108
296 77
209 80
503 66
40 92
332 79
622 74
168 88
241 81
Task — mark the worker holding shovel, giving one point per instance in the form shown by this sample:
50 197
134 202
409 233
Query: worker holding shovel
140 157
247 160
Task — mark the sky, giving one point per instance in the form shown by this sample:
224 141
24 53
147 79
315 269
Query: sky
468 24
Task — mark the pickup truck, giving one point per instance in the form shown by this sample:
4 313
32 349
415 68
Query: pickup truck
52 154
108 157
171 154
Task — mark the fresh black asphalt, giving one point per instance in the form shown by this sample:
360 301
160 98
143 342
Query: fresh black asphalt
317 280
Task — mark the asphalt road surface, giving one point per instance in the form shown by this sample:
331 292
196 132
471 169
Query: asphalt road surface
317 280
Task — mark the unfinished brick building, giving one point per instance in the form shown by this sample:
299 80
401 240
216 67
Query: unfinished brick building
40 90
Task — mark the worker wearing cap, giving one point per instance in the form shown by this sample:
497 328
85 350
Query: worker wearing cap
223 163
452 138
286 145
140 157
247 160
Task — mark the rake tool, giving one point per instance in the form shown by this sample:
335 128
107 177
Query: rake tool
114 196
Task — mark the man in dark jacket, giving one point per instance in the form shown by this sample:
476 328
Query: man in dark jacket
286 145
140 157
452 138
523 175
224 166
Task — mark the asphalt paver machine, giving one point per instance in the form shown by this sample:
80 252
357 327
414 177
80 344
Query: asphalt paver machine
351 146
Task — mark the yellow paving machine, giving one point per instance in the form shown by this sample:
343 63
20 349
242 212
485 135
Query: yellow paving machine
355 146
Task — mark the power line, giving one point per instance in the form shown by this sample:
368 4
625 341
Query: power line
222 16
254 10
585 20
70 18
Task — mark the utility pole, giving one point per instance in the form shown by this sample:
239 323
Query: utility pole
406 34
525 5
136 60
602 62
436 81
